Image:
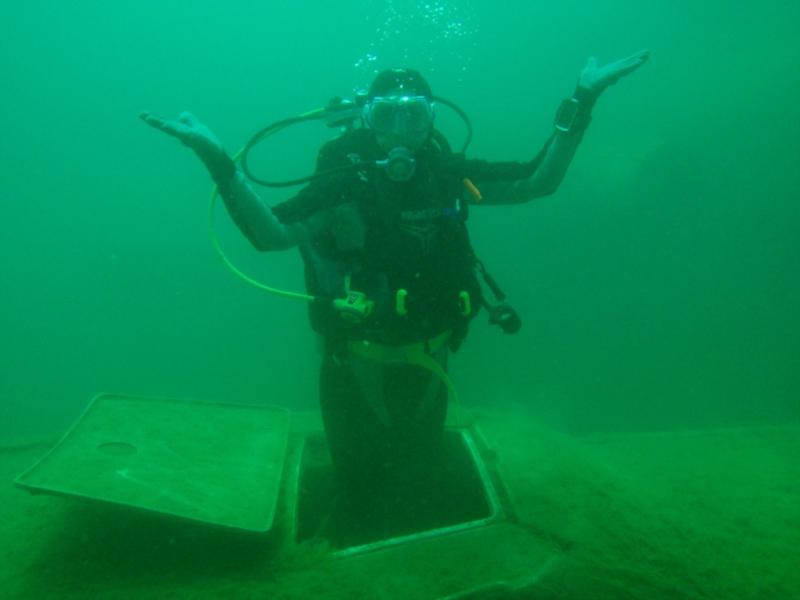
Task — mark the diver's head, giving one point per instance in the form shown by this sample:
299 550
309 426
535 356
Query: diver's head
400 109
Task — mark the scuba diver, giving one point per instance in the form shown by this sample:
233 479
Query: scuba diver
381 227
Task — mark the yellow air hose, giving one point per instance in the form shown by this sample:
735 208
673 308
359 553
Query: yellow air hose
212 233
215 242
413 354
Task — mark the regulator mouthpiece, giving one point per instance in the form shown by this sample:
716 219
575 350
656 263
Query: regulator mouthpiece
399 165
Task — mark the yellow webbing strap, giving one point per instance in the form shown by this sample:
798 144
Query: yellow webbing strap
418 354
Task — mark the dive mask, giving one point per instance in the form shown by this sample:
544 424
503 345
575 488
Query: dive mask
399 115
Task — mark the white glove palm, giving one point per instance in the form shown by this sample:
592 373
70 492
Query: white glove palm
190 131
201 139
596 79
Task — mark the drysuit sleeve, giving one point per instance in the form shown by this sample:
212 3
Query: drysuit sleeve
515 182
293 222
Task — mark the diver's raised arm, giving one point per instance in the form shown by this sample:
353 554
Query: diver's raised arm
571 120
253 218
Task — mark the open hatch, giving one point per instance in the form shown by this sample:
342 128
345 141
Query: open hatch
241 467
219 464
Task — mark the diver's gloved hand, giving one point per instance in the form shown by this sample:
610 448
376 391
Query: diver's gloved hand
593 79
201 139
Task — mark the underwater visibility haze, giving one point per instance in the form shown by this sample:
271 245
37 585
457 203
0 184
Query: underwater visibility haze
654 384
